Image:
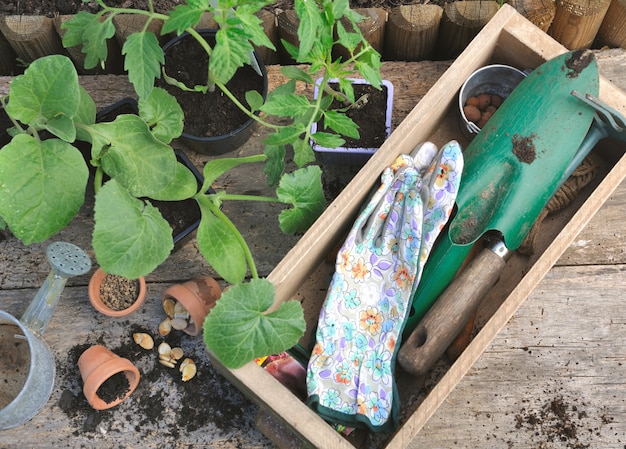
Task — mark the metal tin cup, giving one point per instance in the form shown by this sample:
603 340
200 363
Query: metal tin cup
495 79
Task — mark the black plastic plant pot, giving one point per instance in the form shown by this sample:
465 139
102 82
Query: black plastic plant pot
5 124
184 231
183 216
192 70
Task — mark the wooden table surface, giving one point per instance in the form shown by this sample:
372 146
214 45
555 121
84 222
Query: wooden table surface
553 378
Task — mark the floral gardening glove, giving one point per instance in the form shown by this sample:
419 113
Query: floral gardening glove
350 373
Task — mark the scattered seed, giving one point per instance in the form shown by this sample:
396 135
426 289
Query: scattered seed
168 305
177 353
165 350
167 363
165 327
179 323
144 340
179 308
188 369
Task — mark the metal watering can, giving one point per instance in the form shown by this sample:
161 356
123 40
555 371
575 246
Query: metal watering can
27 364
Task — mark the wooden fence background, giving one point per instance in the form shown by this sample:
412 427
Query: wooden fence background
404 33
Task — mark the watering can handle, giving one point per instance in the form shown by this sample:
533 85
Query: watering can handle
451 311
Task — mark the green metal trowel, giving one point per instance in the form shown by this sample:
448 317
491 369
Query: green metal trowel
512 169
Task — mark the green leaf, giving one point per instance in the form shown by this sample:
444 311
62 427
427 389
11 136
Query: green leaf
183 17
163 114
291 49
328 140
275 164
220 247
341 123
303 153
254 100
183 186
239 329
232 50
348 40
253 25
285 135
128 152
303 190
62 126
215 168
47 91
370 72
90 31
76 27
42 186
295 73
284 89
346 86
290 105
130 237
182 86
95 42
340 8
308 27
143 58
86 114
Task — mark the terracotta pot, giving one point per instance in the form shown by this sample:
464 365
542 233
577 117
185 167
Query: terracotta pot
96 365
96 300
198 296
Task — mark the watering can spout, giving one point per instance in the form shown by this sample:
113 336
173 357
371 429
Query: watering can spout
66 260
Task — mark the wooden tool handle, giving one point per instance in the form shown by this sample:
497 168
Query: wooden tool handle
446 318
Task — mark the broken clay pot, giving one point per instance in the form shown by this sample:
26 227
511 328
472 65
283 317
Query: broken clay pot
97 365
198 296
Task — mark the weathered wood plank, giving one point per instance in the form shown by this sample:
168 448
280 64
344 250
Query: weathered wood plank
560 347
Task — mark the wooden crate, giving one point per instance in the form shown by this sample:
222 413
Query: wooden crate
510 39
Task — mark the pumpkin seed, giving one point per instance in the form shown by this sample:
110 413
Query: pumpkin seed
179 323
188 369
165 327
144 340
168 305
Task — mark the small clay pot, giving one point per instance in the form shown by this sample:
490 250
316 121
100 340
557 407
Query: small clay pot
94 296
198 296
97 364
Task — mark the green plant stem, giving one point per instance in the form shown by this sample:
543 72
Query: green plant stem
244 109
205 201
97 180
238 197
318 107
203 43
116 11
